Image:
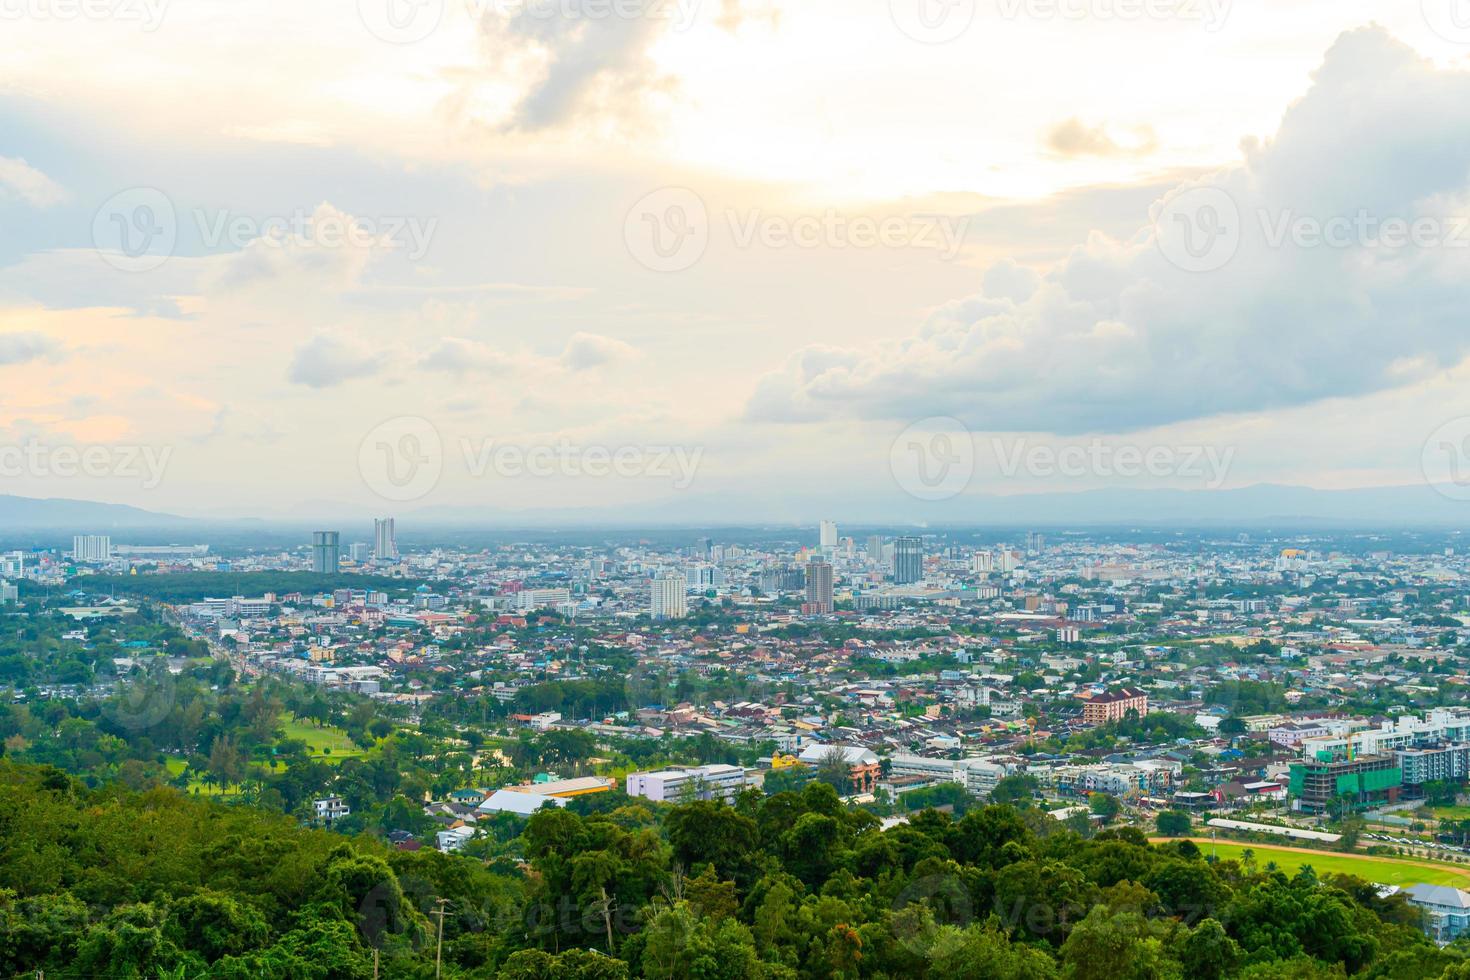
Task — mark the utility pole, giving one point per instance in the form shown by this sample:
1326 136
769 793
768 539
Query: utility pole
439 947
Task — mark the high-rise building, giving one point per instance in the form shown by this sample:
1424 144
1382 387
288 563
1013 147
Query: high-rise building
818 588
908 560
827 536
13 564
875 547
666 596
9 594
326 552
982 563
91 548
385 544
359 551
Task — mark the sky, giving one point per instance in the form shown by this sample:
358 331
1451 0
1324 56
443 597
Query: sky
761 258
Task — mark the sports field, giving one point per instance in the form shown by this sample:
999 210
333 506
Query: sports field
1383 870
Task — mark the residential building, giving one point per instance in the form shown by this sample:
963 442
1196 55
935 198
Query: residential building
330 809
818 588
385 543
908 560
666 596
680 783
92 548
1114 705
1446 910
326 552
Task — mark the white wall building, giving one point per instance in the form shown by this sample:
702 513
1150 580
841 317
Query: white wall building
674 785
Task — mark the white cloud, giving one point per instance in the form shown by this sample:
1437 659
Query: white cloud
1117 337
21 180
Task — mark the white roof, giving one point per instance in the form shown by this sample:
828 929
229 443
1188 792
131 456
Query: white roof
855 755
506 801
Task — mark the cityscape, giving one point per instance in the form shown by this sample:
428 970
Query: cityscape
735 490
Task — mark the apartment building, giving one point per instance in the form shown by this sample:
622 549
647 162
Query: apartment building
679 783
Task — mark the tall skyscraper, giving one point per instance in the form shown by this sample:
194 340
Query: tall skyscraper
385 543
326 552
91 547
827 536
875 547
908 560
818 588
666 596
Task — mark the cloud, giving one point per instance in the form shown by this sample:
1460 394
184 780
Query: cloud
24 347
1073 138
21 180
590 350
328 360
1122 335
459 355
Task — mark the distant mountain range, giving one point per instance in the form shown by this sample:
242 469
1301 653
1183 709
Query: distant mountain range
85 516
1260 505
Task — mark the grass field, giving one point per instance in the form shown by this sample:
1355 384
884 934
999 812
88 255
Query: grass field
1451 812
320 739
1383 870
